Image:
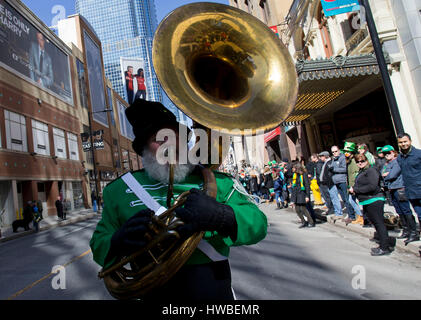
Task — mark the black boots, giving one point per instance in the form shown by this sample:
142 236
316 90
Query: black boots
305 224
405 231
412 229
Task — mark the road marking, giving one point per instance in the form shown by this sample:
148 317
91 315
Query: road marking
46 276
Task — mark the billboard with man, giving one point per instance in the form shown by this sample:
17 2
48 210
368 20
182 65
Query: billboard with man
27 52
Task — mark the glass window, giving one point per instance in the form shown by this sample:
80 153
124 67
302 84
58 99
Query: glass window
73 146
125 126
40 137
59 143
15 131
77 194
125 156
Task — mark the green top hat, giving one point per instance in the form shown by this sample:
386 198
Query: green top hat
387 148
379 150
349 147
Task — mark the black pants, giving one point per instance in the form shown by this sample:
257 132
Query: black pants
302 211
210 281
374 212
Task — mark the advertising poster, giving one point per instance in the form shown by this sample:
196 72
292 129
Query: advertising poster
96 80
132 72
26 51
97 137
334 7
86 143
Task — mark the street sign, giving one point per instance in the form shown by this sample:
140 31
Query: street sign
334 7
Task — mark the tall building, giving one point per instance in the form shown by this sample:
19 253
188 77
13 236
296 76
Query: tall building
125 29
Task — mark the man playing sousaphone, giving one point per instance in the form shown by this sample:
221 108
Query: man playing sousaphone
229 220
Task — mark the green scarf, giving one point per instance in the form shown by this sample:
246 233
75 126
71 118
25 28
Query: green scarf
294 180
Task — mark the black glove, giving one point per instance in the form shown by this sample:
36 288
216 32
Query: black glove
130 237
204 213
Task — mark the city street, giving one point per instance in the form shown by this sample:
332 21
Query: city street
322 263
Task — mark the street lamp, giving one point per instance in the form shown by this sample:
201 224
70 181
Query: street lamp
93 152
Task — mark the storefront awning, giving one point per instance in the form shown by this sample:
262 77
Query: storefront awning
322 81
272 134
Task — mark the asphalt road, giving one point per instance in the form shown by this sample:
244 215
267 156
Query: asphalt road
322 263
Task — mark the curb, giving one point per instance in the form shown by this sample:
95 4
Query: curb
49 225
413 247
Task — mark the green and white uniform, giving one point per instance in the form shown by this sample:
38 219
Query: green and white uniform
120 203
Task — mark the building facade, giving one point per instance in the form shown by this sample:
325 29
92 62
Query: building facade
53 92
39 117
278 145
125 29
341 96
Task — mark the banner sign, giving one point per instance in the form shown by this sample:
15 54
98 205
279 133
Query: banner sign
272 134
27 52
96 80
275 29
86 143
334 7
98 140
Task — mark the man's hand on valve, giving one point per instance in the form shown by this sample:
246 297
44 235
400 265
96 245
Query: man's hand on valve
131 236
203 213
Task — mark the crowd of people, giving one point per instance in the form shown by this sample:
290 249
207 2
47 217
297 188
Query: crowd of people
351 184
33 213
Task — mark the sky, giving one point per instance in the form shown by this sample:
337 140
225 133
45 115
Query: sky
50 11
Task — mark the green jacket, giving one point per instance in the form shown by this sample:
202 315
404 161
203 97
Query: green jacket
353 171
120 203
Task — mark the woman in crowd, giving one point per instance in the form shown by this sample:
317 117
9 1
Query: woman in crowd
391 173
301 195
369 194
363 149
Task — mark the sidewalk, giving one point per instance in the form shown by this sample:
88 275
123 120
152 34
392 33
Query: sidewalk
48 223
412 247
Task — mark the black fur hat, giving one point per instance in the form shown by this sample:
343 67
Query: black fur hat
147 118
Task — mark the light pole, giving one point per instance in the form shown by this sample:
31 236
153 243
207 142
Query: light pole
93 151
387 84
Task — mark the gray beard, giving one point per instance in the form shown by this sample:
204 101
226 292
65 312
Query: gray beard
160 172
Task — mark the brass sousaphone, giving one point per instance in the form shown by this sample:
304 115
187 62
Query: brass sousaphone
226 70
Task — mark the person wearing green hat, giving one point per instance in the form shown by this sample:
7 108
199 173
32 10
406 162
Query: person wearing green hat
392 176
363 149
349 150
130 202
380 160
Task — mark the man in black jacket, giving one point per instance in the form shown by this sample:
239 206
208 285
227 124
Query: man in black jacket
326 184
